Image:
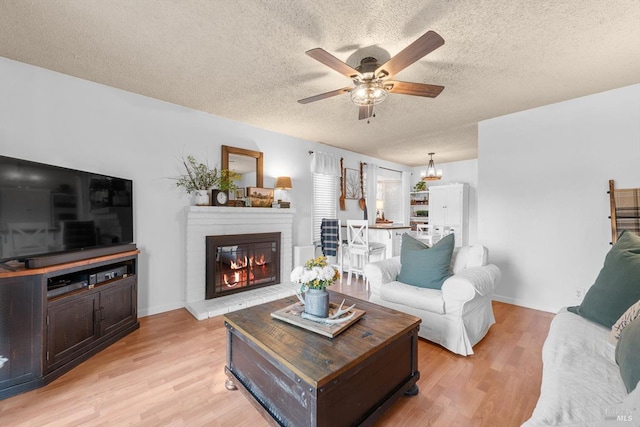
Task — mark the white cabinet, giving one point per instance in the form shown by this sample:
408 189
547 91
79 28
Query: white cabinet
448 207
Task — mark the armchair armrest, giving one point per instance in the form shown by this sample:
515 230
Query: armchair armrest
466 284
381 272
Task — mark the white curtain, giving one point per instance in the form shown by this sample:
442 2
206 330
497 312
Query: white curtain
325 164
406 187
326 171
391 193
371 190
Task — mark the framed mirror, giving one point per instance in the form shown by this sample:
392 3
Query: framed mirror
245 162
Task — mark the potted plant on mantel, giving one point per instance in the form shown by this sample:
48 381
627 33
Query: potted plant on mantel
200 179
224 185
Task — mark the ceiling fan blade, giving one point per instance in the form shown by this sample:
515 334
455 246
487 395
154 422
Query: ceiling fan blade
331 61
325 95
365 111
416 89
427 43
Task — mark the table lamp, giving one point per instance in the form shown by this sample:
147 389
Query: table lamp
283 183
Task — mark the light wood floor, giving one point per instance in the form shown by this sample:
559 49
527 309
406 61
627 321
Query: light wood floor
170 372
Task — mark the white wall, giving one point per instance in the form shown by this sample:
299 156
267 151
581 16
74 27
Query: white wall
542 192
57 119
456 172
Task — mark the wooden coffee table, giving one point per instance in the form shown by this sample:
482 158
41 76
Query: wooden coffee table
298 378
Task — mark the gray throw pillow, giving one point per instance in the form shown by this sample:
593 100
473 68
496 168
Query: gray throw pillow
617 286
424 266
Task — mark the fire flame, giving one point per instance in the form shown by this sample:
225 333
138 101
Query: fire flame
251 261
236 277
238 264
234 281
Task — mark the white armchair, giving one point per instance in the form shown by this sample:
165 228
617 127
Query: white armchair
457 316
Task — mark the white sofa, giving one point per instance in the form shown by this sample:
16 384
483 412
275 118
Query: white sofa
581 382
457 316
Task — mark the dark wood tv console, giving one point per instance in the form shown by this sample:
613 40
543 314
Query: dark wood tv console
54 318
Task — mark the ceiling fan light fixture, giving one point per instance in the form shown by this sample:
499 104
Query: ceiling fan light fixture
432 174
368 93
371 86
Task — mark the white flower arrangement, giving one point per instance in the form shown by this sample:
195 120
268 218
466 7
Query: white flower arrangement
315 274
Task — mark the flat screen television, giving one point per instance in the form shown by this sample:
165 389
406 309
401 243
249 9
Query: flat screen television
50 214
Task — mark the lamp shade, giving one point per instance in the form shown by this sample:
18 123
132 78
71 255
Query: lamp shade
283 183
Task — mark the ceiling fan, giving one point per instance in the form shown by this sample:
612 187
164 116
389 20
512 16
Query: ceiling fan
372 81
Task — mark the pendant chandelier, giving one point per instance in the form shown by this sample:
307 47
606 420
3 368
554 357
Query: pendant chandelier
433 174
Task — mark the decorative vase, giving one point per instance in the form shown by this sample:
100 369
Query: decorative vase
316 302
201 198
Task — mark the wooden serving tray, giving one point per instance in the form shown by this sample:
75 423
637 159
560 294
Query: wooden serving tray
292 314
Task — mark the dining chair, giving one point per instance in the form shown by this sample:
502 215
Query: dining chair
424 232
360 248
431 234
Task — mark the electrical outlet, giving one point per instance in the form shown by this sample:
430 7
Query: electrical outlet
579 294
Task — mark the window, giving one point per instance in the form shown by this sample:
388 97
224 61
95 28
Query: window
324 201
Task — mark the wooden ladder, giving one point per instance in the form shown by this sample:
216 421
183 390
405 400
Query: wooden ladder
625 210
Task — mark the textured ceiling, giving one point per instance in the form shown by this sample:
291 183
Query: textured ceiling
244 60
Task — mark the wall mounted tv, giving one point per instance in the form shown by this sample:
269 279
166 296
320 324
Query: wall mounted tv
51 215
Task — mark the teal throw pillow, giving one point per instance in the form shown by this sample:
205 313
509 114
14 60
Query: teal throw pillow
424 266
617 286
627 351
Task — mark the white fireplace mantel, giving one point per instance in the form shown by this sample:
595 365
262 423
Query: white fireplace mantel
202 221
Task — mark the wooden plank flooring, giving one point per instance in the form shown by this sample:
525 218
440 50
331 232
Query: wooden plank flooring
170 372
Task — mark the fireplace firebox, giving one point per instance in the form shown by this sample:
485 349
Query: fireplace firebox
240 262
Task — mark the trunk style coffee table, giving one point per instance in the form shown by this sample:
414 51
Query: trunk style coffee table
296 377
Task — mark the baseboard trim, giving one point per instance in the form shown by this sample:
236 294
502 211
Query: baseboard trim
150 311
520 303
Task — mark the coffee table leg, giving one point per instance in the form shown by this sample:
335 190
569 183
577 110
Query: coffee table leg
412 391
229 384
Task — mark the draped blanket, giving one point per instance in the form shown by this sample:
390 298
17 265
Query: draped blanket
329 236
628 210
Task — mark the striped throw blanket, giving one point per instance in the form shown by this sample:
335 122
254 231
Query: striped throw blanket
627 210
329 236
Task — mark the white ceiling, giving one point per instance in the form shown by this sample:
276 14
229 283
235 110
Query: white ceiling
244 60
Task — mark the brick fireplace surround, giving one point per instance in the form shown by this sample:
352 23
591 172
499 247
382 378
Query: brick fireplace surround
202 221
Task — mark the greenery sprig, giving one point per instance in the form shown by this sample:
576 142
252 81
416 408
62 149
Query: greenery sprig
199 176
